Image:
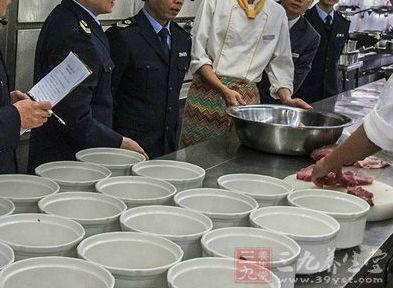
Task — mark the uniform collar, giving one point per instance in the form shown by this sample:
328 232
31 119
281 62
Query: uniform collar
323 14
156 26
292 22
88 11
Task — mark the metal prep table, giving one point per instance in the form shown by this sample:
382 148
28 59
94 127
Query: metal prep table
225 155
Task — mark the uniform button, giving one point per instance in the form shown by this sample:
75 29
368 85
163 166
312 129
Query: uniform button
170 108
1 83
148 66
170 89
167 128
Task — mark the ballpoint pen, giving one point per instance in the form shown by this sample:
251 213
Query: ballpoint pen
61 121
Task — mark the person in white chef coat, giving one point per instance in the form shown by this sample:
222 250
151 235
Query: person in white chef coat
373 135
234 41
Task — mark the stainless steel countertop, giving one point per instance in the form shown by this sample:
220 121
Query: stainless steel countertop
225 155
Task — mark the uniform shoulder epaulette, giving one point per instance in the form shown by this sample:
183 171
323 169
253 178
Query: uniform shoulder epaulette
126 23
85 27
181 28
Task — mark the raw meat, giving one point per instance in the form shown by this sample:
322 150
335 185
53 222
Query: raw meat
319 153
305 173
362 193
351 178
371 163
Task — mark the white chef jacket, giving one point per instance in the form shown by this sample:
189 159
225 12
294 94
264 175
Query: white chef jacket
378 124
243 48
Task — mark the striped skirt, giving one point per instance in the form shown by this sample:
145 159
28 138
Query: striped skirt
204 113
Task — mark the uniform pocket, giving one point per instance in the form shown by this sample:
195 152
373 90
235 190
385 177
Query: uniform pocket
147 75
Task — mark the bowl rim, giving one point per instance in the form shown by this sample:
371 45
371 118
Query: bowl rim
223 180
230 111
101 185
216 234
169 210
201 173
331 195
109 151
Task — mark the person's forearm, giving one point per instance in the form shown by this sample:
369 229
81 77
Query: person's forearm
356 147
208 74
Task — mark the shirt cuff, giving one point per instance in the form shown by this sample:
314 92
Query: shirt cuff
377 130
274 89
197 64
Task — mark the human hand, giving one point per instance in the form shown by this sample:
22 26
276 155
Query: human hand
33 114
286 99
233 98
130 144
322 168
17 96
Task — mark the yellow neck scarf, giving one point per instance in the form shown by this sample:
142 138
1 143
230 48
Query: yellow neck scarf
251 12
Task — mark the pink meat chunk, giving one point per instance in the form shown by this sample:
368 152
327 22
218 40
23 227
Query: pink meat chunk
351 178
305 173
371 163
362 193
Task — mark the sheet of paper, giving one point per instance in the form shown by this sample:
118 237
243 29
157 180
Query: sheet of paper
61 80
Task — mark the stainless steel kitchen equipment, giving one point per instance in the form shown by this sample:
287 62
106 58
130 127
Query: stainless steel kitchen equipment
286 130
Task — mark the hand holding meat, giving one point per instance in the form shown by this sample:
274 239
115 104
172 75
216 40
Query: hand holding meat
33 114
130 144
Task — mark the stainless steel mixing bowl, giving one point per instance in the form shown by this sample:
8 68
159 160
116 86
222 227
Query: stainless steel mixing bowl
286 130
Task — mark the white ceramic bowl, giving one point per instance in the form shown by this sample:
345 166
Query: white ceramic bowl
26 190
181 174
225 208
119 161
314 231
35 235
7 255
283 251
59 272
138 191
182 226
7 207
214 273
136 260
96 212
74 175
268 191
350 211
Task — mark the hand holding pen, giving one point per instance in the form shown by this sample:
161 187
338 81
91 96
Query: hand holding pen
32 113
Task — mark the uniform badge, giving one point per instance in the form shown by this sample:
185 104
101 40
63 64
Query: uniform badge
183 54
340 35
295 55
125 23
268 37
85 27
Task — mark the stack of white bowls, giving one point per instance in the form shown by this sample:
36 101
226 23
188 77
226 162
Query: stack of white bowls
225 208
36 235
214 272
73 175
49 272
181 174
25 191
315 232
96 212
136 260
350 211
282 251
138 191
182 226
118 161
268 191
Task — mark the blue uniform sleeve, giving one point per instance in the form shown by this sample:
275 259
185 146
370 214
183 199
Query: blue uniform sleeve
9 127
82 129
